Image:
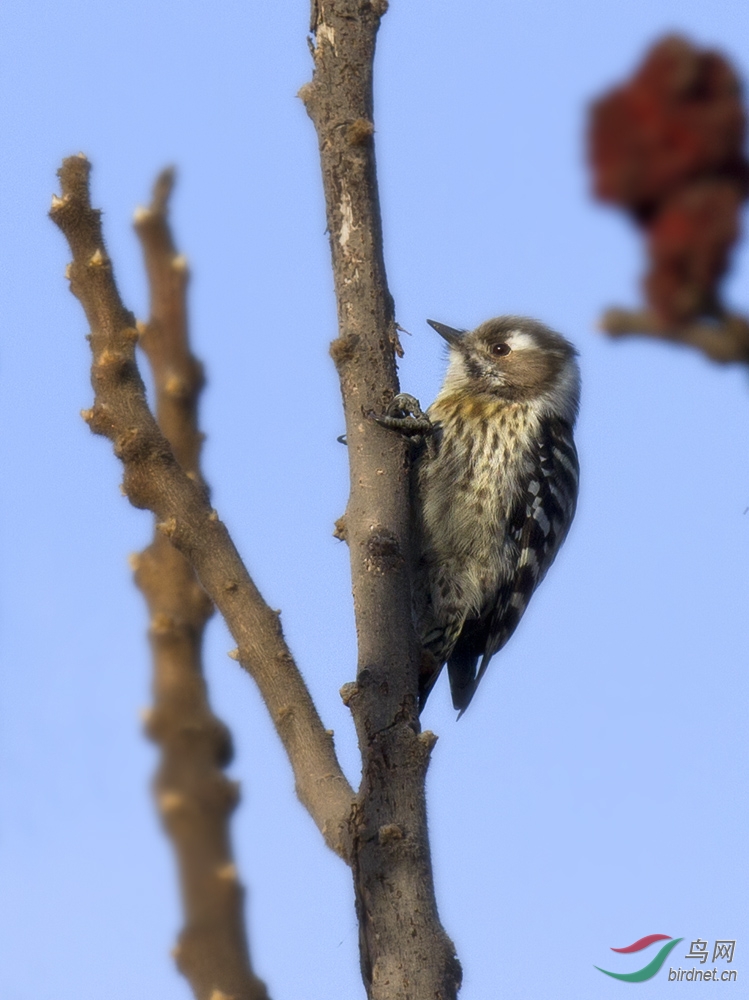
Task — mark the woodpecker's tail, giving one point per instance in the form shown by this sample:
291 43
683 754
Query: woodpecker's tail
429 671
461 668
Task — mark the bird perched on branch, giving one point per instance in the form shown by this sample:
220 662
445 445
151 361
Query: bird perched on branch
495 481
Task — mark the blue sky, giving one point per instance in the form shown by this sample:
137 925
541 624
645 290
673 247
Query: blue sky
596 790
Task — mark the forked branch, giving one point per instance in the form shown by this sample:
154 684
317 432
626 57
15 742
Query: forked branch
154 480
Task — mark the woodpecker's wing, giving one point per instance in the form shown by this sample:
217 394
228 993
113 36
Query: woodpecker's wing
538 524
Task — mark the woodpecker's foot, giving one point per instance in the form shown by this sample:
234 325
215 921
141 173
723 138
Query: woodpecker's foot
405 416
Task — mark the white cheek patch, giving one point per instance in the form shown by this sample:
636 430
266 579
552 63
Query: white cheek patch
563 397
516 340
569 381
456 376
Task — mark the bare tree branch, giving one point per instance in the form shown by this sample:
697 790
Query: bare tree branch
154 480
725 340
194 796
405 953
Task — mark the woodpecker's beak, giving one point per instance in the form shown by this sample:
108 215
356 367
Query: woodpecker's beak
452 336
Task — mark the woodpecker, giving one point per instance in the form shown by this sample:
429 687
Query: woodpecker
495 481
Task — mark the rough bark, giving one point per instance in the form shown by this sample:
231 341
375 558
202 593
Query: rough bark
725 340
405 953
382 833
193 795
154 480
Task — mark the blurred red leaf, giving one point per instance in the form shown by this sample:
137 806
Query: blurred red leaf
668 147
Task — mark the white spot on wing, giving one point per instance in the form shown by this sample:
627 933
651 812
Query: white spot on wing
563 460
540 515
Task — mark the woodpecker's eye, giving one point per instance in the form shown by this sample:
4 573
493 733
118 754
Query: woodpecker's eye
500 350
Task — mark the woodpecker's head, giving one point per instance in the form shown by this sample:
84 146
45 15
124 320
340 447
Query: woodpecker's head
517 359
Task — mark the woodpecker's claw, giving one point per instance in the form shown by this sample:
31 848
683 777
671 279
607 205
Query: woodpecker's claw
405 416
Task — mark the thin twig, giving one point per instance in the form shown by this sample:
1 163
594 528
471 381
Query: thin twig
725 340
193 794
154 480
405 953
